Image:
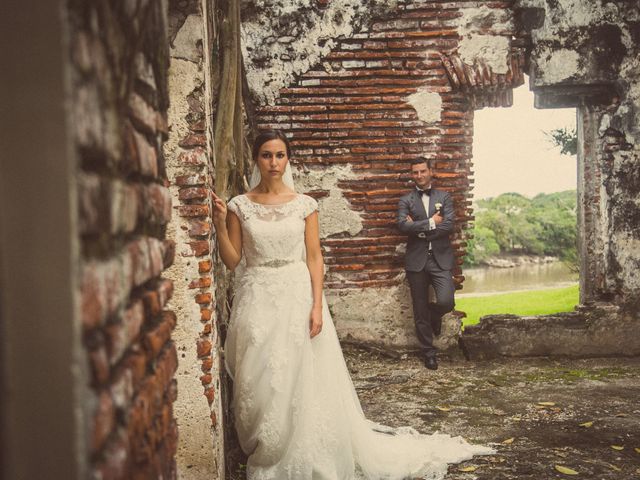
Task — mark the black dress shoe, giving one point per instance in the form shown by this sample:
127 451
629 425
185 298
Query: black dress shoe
430 362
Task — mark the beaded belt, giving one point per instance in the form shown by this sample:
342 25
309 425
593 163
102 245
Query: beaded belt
275 263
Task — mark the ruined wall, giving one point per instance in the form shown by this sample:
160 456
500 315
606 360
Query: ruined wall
361 88
189 157
585 54
118 117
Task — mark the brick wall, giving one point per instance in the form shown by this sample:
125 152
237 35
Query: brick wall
396 89
119 82
190 169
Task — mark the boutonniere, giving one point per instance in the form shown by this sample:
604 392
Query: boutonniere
438 207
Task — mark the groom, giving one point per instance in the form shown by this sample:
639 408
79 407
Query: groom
426 216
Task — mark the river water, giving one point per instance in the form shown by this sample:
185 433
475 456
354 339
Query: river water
532 276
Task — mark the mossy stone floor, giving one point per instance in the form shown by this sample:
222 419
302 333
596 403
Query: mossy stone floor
536 405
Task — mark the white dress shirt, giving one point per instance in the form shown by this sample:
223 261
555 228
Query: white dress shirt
425 201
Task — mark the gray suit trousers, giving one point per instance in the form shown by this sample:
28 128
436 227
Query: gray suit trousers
426 315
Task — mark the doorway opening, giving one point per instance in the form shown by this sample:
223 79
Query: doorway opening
521 250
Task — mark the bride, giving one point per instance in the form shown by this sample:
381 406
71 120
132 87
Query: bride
296 411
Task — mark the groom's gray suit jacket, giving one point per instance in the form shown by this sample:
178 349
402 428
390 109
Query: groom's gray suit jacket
418 231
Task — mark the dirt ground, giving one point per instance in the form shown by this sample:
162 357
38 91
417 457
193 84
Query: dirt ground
530 410
538 413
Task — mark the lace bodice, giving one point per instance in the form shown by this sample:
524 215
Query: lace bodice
272 235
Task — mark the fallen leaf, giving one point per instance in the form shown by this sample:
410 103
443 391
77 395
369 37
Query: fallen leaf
637 450
586 424
508 441
566 470
470 468
547 404
622 415
617 447
615 468
443 409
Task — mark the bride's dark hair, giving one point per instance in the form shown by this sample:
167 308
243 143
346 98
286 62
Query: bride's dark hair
267 135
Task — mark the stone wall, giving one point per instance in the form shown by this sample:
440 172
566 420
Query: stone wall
585 55
189 156
118 116
389 81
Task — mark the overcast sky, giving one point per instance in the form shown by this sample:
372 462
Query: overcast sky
512 154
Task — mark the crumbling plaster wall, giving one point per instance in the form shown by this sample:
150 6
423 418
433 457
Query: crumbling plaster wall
361 88
189 157
586 54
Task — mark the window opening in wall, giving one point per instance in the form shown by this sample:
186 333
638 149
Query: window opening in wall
522 258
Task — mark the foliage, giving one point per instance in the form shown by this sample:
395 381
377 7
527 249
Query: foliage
565 138
533 302
515 224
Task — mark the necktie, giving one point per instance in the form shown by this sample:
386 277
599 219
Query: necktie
426 191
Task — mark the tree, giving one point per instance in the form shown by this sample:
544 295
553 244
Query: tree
565 138
513 223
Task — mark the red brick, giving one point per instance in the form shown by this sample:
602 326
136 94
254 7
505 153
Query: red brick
191 180
193 193
207 364
206 329
193 140
142 155
94 306
202 282
199 228
152 305
99 365
205 266
142 114
103 421
206 379
136 362
168 252
122 389
210 393
157 337
121 334
196 156
156 203
193 210
199 126
200 247
206 314
203 298
203 347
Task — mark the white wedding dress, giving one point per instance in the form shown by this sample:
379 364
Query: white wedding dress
296 411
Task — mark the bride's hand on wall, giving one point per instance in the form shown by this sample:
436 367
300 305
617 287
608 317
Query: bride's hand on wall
315 321
219 211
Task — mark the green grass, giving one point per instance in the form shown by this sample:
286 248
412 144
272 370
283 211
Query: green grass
533 302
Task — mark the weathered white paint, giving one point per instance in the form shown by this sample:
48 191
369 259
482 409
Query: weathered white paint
559 65
493 50
428 105
335 213
309 34
185 43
